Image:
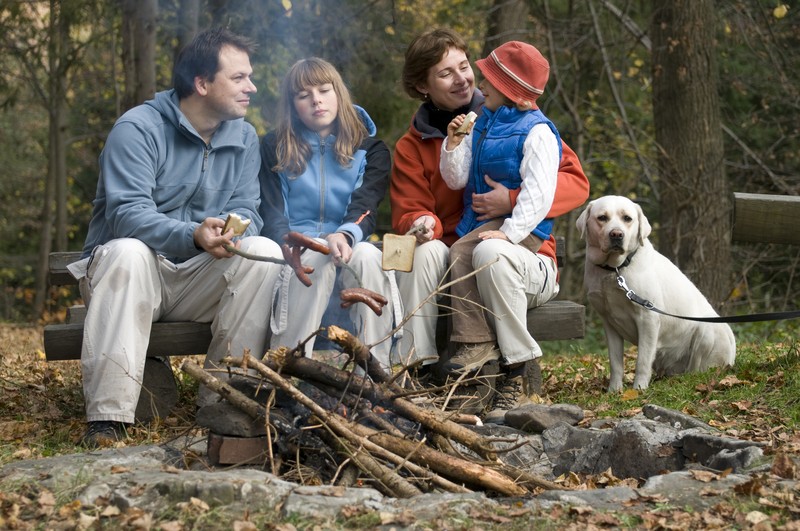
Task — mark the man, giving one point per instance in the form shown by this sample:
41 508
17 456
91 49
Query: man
171 171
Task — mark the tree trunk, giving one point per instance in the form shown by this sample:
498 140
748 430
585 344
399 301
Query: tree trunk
508 21
188 22
695 202
138 50
54 206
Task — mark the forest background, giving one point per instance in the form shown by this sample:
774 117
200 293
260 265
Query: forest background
674 103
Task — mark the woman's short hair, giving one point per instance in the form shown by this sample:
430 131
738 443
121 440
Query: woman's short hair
425 51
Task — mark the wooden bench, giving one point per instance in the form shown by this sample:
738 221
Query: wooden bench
558 319
766 218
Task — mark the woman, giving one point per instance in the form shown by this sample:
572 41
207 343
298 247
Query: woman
323 174
438 72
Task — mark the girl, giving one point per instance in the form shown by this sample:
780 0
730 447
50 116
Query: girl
515 144
323 174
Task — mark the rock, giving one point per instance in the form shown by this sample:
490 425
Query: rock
598 499
681 489
225 419
736 460
519 449
676 419
576 450
643 448
535 418
702 447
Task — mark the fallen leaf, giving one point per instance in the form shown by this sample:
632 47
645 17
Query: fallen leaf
730 381
784 466
111 510
630 394
752 487
704 475
756 517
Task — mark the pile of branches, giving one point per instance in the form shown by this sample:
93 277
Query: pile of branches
369 422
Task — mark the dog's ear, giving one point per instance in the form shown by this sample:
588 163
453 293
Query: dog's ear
583 219
644 225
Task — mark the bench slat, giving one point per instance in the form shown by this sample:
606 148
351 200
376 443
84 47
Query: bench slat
557 320
57 268
63 341
760 218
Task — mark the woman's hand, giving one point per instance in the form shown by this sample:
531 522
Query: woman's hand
428 223
340 247
493 235
492 204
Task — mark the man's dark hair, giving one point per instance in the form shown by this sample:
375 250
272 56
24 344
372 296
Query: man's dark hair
201 57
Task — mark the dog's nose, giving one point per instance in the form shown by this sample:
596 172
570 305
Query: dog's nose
616 237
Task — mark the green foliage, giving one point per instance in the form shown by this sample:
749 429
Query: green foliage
598 96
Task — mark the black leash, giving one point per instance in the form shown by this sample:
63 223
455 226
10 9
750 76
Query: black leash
750 318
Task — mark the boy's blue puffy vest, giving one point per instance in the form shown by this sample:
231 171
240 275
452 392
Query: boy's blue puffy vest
497 141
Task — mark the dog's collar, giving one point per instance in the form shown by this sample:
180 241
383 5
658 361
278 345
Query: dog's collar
626 263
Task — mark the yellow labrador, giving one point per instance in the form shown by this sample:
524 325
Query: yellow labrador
616 231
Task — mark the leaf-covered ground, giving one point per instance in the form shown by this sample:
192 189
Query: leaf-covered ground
41 415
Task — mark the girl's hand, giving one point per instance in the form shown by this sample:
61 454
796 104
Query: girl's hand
454 139
493 235
340 247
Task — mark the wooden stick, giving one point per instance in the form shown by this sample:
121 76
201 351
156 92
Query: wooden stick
398 485
431 419
452 467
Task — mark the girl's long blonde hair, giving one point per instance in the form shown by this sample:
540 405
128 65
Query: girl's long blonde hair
292 150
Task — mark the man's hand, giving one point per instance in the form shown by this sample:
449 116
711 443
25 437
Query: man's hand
429 222
492 204
340 247
209 237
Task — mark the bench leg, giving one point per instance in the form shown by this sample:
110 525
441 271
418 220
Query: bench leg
159 390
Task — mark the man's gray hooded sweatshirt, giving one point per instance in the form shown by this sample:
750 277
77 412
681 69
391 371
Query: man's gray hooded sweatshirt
159 180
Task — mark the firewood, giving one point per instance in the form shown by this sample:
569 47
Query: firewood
397 485
452 467
432 419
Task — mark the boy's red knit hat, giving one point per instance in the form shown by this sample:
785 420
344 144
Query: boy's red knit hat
518 70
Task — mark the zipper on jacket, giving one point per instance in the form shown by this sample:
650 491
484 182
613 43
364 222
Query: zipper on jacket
322 145
203 169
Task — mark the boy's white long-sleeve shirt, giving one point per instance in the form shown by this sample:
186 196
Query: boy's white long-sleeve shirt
539 171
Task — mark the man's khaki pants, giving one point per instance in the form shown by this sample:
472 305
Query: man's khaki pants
127 287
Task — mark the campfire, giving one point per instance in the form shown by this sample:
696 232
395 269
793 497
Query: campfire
362 423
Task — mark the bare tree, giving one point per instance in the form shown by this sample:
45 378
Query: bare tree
187 24
695 201
508 21
139 18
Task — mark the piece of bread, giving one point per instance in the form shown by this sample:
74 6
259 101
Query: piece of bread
469 119
237 223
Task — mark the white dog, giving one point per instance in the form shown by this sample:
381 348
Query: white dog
616 234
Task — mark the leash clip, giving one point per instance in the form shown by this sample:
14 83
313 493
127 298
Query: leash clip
624 286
